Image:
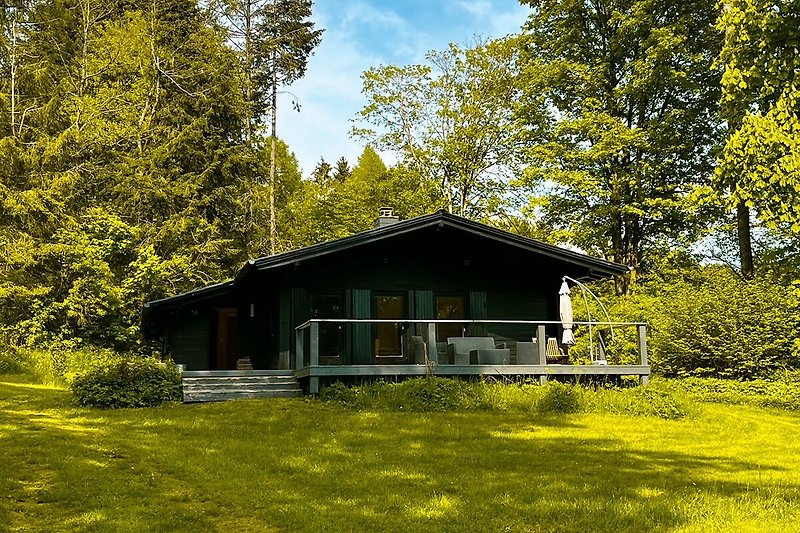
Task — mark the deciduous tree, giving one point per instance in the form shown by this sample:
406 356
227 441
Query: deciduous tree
449 120
631 99
760 162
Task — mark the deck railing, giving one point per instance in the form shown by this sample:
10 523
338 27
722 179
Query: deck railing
307 336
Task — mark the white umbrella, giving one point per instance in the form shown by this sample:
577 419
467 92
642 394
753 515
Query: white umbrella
565 311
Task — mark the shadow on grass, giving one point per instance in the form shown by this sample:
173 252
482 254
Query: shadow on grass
304 466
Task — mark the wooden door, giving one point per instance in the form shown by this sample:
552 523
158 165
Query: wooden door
227 338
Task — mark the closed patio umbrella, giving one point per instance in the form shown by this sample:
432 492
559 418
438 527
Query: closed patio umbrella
565 311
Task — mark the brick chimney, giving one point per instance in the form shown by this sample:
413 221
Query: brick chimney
386 217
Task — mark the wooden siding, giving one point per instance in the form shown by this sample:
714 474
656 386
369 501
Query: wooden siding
362 333
190 341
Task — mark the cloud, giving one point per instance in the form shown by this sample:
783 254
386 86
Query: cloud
363 13
479 8
360 34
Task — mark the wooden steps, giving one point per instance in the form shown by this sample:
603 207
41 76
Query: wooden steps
215 386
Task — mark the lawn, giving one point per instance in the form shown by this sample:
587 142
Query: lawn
298 465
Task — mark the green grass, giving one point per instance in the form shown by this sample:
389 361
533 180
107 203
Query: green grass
297 465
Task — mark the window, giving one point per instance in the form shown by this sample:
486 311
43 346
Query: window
330 333
449 307
388 342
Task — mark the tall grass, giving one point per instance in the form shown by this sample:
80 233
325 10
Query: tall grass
59 365
443 394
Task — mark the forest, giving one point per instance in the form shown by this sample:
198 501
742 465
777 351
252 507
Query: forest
140 157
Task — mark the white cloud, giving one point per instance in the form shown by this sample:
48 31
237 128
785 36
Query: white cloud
479 8
363 13
360 34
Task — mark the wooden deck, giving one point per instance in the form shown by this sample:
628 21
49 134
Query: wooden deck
309 370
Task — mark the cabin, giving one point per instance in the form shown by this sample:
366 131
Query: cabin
435 294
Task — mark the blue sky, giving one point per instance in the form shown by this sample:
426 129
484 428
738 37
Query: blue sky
360 34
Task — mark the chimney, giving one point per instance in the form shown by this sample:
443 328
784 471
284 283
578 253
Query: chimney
386 218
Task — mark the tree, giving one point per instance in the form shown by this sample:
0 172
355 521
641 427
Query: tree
760 162
289 39
625 153
449 120
342 170
273 40
322 210
322 172
123 182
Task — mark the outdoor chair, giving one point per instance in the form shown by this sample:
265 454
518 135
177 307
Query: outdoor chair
473 350
554 355
527 353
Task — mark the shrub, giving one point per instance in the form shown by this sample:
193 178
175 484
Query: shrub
560 398
782 392
134 382
443 394
60 363
9 364
711 323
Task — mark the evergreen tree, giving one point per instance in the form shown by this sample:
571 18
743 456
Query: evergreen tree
342 170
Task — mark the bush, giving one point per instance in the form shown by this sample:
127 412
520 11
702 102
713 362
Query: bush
711 323
560 398
443 394
60 363
782 392
9 364
138 382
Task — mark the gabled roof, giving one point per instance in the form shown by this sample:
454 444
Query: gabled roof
440 219
597 267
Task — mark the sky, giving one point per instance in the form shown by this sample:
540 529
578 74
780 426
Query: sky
360 34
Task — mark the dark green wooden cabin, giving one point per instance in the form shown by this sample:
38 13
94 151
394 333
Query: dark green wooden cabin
437 266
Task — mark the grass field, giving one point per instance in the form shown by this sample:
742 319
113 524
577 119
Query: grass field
297 465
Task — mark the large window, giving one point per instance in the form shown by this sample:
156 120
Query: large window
330 333
449 307
388 336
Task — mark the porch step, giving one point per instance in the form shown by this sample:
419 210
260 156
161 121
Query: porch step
213 388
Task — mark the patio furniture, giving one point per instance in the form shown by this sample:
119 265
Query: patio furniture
493 356
459 351
553 353
526 353
416 350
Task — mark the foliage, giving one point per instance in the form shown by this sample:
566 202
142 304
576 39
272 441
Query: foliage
780 391
560 398
619 115
60 363
349 204
449 120
132 382
123 178
9 364
761 101
446 394
708 322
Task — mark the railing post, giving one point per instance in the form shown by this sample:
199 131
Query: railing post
299 349
541 350
642 330
313 357
433 355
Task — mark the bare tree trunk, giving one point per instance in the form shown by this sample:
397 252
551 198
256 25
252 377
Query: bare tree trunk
744 235
247 9
14 76
273 229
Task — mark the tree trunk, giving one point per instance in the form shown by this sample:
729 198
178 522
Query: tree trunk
745 239
273 229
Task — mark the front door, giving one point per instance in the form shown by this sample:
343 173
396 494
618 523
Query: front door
388 336
227 338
